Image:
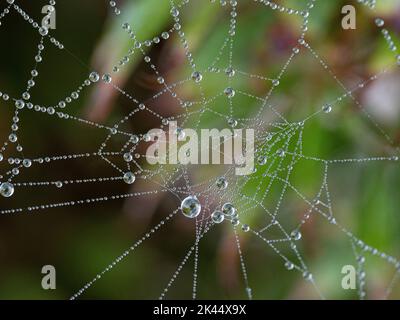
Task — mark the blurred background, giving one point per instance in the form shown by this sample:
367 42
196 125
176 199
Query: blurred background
81 240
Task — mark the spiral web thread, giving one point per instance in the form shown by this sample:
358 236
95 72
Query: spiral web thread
279 147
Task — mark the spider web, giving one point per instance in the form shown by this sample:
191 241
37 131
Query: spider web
279 147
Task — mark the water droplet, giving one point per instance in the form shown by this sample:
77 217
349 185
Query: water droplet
126 26
295 235
262 160
331 220
31 83
94 77
175 12
146 137
230 72
307 275
280 152
26 95
232 122
229 92
26 163
275 82
129 177
75 95
190 207
160 80
59 184
13 137
289 265
327 108
249 291
43 31
222 183
197 76
228 209
6 189
217 216
134 139
19 104
128 157
180 133
245 228
361 259
379 22
106 78
235 222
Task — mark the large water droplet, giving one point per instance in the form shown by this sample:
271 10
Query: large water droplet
94 77
228 209
129 177
6 189
175 12
190 207
128 157
217 216
27 163
20 104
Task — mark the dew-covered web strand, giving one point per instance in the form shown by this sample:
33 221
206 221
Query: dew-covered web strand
167 180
